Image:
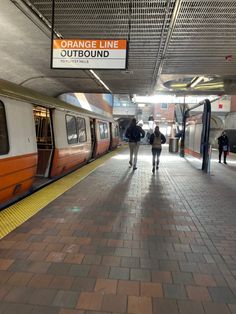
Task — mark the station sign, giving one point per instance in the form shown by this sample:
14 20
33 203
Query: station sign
89 54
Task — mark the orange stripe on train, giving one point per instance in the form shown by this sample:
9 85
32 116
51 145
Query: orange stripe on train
17 175
14 164
65 160
17 189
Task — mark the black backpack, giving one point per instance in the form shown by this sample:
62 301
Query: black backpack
135 134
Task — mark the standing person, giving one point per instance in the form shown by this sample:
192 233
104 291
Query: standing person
134 133
223 143
156 139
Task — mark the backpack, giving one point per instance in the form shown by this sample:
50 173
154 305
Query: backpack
134 134
156 141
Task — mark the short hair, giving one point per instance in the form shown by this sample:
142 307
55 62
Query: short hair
133 122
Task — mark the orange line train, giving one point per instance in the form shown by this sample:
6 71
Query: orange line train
42 138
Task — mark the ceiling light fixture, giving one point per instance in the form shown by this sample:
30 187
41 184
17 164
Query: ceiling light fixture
196 81
98 78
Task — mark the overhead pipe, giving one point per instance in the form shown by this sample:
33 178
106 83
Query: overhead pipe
34 15
159 65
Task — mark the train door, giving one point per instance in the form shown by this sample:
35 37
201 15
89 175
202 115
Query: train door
110 129
44 135
93 136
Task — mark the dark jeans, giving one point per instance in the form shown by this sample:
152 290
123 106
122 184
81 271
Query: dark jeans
156 152
220 154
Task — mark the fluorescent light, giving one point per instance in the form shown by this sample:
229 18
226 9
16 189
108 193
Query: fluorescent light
98 78
196 81
172 99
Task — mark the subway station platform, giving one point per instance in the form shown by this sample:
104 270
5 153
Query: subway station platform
124 241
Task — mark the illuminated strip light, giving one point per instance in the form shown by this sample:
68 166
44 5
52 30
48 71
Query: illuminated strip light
98 78
196 81
210 86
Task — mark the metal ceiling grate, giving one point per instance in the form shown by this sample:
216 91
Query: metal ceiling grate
140 22
203 33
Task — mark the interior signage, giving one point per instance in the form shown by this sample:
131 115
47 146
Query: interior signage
89 54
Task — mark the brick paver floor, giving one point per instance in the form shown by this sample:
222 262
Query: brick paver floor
128 242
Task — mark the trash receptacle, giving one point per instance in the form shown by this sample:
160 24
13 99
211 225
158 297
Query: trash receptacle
173 145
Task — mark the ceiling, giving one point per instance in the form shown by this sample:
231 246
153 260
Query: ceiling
175 46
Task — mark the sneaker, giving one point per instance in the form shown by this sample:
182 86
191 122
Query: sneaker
153 169
225 162
130 163
219 162
134 168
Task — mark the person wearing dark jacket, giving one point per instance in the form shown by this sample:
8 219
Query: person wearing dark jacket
223 143
134 133
156 139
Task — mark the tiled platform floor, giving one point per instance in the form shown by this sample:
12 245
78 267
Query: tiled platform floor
128 242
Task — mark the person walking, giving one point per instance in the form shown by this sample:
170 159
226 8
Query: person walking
223 143
156 139
134 133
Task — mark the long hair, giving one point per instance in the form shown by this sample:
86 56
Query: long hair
157 131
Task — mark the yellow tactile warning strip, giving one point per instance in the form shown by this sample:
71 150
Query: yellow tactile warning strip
15 215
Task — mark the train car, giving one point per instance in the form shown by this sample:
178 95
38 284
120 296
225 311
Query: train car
43 138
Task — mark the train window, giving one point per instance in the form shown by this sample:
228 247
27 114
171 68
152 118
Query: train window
103 129
116 131
43 127
71 128
4 143
82 130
